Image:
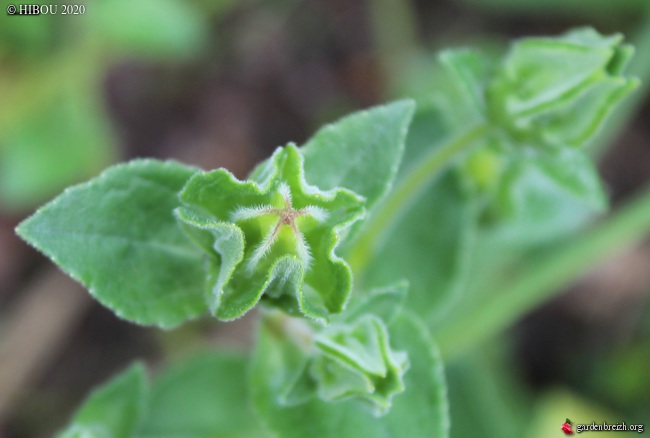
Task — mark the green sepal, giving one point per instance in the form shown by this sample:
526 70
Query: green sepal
383 305
217 204
228 247
558 91
356 361
575 122
280 365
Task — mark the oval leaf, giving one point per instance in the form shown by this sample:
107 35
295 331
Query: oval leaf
117 235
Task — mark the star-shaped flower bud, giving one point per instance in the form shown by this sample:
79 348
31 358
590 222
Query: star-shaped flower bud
272 237
286 215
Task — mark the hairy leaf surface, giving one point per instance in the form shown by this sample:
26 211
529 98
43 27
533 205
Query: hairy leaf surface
204 396
117 235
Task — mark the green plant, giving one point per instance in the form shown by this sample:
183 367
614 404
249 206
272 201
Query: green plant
493 159
55 130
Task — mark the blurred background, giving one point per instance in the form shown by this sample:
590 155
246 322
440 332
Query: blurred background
221 83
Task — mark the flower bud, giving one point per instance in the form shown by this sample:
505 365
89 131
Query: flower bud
558 91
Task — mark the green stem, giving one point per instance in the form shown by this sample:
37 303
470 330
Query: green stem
399 200
546 278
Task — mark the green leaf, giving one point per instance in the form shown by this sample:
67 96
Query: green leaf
205 396
546 196
470 70
421 410
429 246
117 235
156 28
62 142
430 241
361 152
485 396
114 409
386 303
274 238
429 127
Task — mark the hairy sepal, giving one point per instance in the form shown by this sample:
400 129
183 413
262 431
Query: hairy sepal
352 358
290 231
279 365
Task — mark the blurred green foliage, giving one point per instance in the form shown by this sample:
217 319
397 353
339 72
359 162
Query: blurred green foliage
54 126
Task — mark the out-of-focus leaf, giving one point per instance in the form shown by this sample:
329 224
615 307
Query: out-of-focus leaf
557 91
485 397
114 409
546 196
386 303
430 248
117 235
65 141
25 39
470 70
155 28
555 406
206 396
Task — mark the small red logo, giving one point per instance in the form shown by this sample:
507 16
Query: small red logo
566 427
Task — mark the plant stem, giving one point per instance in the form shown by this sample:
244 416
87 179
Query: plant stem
546 277
398 202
